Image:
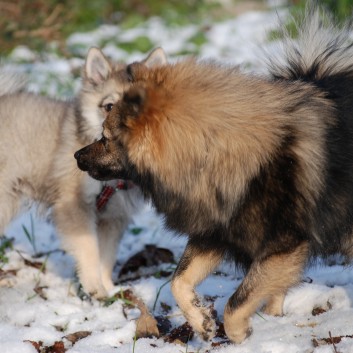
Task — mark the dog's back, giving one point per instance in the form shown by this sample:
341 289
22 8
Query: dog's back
29 136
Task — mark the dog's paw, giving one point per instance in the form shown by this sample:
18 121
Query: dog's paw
237 331
88 292
98 293
146 326
238 336
201 320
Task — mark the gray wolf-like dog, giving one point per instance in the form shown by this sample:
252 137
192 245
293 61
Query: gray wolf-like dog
38 138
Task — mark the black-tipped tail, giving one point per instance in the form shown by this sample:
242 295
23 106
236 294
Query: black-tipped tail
322 49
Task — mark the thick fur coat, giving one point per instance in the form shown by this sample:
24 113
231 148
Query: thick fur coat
258 170
38 138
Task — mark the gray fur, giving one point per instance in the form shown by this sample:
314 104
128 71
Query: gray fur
39 136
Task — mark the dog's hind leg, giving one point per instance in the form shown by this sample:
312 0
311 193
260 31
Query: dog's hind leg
267 279
194 266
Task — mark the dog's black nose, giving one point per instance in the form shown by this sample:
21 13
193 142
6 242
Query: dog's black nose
77 154
81 162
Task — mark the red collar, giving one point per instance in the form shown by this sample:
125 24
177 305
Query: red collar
108 191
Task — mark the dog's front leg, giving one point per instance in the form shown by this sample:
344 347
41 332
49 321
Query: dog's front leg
267 280
194 266
109 233
77 229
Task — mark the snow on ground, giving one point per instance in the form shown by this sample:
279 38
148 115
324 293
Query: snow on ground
317 309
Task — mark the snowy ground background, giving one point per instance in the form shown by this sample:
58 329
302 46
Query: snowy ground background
320 308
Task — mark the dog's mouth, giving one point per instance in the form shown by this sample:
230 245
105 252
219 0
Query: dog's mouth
106 175
102 174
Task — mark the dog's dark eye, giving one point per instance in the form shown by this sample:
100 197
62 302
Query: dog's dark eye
108 107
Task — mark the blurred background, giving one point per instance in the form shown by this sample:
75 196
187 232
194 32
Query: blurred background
37 22
35 33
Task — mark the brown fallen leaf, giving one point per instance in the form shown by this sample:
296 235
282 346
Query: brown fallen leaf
180 335
36 264
329 340
220 343
322 341
146 324
7 273
127 297
57 347
150 256
220 332
318 311
164 325
39 290
74 337
37 345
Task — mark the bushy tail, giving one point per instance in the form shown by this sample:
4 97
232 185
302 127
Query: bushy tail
321 49
11 82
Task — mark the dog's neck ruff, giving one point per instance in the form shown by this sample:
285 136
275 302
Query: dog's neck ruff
108 191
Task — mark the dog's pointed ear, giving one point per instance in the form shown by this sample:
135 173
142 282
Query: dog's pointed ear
134 100
97 67
157 57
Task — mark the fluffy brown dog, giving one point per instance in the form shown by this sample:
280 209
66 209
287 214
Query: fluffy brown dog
253 169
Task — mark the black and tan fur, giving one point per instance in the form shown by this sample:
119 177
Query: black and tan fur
258 170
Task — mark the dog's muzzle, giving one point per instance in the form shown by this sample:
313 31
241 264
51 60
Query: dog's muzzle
88 161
